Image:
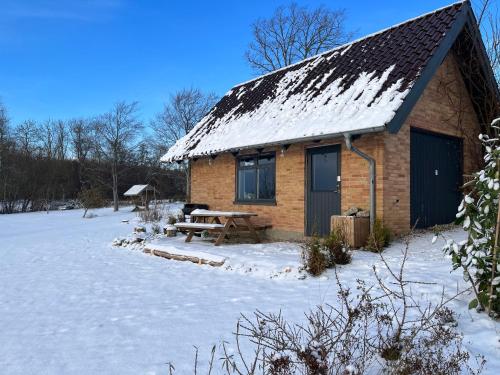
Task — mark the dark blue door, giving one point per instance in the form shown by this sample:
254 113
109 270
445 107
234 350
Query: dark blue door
323 188
436 178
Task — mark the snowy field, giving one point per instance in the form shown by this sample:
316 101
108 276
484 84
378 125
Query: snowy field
70 303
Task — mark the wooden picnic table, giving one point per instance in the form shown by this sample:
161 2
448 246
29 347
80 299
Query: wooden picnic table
222 222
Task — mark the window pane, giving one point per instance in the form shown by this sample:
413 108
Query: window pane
266 160
324 171
247 184
247 162
266 182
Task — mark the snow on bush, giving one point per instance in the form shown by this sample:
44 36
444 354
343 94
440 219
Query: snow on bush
319 254
478 213
381 328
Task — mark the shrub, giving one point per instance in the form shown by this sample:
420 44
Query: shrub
478 256
153 215
379 238
156 229
156 213
314 257
337 247
91 198
171 219
363 332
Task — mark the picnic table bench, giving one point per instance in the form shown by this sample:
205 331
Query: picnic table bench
212 221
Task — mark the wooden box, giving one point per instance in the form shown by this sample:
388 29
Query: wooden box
357 229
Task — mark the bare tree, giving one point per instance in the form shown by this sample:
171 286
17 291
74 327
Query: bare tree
117 131
4 124
81 140
46 136
481 90
183 111
488 17
294 33
4 140
180 114
60 140
54 139
27 137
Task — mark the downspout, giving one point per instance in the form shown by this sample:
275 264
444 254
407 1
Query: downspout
371 161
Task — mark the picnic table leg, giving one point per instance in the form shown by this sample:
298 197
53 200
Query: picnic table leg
190 235
225 230
252 230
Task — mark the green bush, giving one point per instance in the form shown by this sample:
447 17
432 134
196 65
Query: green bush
171 219
379 238
478 257
319 254
91 198
337 247
313 256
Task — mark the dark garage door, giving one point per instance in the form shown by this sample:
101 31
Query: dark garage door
436 177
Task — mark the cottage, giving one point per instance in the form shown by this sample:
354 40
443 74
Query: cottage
387 123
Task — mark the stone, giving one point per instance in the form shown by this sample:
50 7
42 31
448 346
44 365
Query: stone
363 213
351 211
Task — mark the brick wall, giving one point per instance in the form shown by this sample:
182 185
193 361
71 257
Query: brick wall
214 183
444 107
355 173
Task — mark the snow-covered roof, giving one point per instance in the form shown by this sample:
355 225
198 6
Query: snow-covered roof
354 88
136 190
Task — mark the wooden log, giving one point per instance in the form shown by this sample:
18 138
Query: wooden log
183 258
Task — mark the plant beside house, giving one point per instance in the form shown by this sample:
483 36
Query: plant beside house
172 219
478 255
337 247
379 238
320 254
314 257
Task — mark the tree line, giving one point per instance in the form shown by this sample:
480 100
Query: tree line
55 160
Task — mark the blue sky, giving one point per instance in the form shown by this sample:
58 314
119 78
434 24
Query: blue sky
70 58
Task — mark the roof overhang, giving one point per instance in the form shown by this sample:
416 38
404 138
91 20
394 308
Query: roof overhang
285 142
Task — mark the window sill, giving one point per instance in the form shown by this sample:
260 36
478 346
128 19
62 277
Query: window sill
255 203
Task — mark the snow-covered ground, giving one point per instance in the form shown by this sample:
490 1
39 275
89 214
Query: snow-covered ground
70 303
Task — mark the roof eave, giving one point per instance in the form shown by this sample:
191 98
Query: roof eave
313 138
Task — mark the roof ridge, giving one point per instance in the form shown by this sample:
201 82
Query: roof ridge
346 45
